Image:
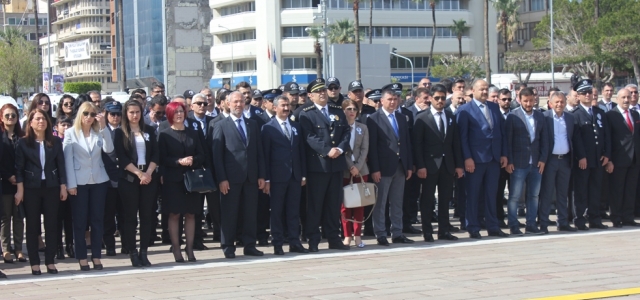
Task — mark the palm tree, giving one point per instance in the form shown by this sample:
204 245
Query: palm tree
487 57
342 32
508 20
459 27
316 33
356 30
432 4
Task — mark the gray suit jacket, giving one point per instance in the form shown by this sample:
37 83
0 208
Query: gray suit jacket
360 151
83 162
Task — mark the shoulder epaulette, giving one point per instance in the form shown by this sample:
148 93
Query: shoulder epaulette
309 108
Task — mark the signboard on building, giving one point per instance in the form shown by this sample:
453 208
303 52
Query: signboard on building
77 50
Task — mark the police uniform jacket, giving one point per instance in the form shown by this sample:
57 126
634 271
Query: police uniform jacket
322 134
590 138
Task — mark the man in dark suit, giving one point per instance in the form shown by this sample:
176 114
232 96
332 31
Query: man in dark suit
606 105
438 158
504 102
156 111
624 130
484 151
527 151
326 134
390 164
557 172
285 175
592 152
251 112
240 171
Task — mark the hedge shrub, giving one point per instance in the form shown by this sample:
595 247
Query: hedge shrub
81 87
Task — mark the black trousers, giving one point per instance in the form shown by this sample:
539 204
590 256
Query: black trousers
137 199
623 193
605 192
65 222
199 232
213 211
110 208
324 197
285 210
502 184
461 199
444 181
263 217
410 202
241 200
587 194
42 201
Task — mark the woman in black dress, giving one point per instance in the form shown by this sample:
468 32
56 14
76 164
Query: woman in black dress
180 151
137 151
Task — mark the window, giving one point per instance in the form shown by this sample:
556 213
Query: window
393 4
298 63
407 32
237 9
300 3
240 66
536 5
419 62
294 32
239 36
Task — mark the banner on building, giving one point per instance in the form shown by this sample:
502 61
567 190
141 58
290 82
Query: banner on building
77 50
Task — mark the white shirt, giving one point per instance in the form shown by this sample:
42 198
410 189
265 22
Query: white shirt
624 115
435 117
270 115
203 123
247 112
286 126
244 128
569 107
418 107
42 158
504 113
141 148
587 108
560 139
321 107
212 113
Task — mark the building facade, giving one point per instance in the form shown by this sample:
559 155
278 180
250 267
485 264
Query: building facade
268 44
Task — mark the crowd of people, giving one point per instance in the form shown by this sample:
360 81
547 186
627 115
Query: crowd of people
280 158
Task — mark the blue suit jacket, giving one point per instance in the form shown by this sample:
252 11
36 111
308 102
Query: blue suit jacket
283 158
478 140
520 149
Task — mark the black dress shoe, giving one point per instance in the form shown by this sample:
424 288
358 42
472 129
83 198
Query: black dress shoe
544 229
447 236
515 231
199 246
617 224
124 251
582 227
567 228
252 252
402 240
60 253
411 230
111 251
97 266
52 271
38 272
313 247
297 249
453 228
604 216
498 233
339 246
382 241
277 250
429 238
503 225
475 235
263 243
598 226
3 275
630 223
227 255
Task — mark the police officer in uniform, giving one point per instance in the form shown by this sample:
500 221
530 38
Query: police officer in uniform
326 134
356 94
592 152
333 91
292 91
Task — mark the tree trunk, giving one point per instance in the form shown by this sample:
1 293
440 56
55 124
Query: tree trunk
636 69
35 13
123 74
460 46
433 36
318 50
370 21
356 31
487 56
506 37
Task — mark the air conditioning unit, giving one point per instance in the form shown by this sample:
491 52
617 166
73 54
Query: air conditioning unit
520 43
219 65
69 74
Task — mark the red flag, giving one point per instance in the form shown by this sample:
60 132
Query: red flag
268 52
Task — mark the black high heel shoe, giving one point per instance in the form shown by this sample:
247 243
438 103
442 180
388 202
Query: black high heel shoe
36 272
52 271
178 260
84 268
97 266
190 257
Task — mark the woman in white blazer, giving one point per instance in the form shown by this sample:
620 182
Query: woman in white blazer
87 179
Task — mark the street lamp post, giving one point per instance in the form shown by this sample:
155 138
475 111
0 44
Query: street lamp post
552 67
393 52
231 38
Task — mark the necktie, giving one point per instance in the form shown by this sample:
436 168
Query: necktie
590 113
324 112
485 110
286 130
392 118
626 112
242 135
441 125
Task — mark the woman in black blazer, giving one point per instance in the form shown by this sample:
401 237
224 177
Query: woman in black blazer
41 101
41 180
180 152
137 151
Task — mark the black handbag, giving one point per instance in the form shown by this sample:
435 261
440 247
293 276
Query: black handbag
199 181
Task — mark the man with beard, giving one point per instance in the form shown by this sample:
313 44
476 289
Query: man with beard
504 102
256 98
251 112
356 95
333 91
291 91
284 156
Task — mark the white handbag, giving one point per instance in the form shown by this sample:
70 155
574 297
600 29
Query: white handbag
359 194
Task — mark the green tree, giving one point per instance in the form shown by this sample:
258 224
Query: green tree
316 33
432 5
342 32
18 62
525 62
508 19
450 66
459 27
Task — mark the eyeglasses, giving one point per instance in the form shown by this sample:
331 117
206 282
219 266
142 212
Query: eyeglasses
634 92
86 113
158 113
42 102
179 112
440 98
67 104
199 103
116 114
10 116
585 93
351 109
335 88
506 99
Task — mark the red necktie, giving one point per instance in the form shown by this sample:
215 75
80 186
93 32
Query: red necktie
629 120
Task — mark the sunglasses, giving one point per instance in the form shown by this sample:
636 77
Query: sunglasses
199 103
470 95
86 113
41 102
10 116
335 88
506 99
634 92
350 109
158 113
440 98
585 93
67 104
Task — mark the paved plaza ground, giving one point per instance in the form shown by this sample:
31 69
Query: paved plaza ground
493 268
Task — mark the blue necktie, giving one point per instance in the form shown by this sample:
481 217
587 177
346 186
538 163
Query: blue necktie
394 124
324 112
242 135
